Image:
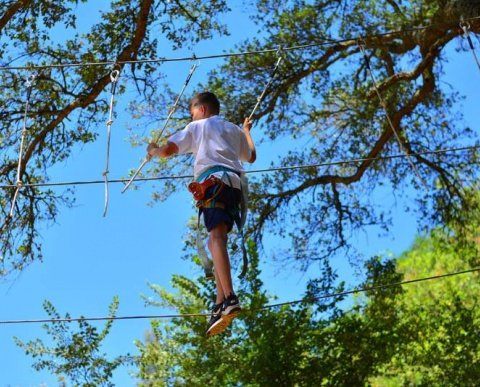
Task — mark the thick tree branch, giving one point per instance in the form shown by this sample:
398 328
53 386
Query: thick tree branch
11 11
128 53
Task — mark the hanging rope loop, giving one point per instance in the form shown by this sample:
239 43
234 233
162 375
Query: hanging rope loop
29 82
114 76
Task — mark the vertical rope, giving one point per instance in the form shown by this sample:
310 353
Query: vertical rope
389 120
466 28
29 84
159 135
114 78
267 86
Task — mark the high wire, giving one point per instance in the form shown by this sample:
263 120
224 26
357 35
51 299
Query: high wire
323 42
307 300
263 170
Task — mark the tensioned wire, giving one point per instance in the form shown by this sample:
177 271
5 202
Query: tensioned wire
264 170
303 300
323 42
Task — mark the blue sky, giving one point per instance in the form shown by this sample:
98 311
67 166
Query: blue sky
89 259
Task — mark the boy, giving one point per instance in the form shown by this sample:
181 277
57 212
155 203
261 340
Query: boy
219 148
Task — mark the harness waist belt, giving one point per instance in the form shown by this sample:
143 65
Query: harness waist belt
215 169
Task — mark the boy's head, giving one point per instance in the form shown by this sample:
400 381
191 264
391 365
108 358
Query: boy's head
204 105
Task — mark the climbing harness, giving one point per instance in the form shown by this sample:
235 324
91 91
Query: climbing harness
114 78
361 45
198 188
157 138
466 28
19 184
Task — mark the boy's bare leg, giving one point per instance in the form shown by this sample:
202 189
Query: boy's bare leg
220 294
217 244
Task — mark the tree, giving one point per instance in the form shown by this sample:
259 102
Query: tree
439 320
324 102
422 334
66 102
417 334
323 98
76 356
310 343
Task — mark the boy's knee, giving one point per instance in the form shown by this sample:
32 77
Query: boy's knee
218 234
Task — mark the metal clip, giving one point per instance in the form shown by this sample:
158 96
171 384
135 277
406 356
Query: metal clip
465 26
30 80
114 75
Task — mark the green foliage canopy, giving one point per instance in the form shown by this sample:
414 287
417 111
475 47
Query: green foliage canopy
322 101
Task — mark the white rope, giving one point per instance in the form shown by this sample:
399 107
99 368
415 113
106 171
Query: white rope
114 78
157 138
389 120
267 86
29 84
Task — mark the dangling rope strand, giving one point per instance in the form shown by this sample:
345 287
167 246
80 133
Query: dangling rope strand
159 135
389 120
29 84
267 86
466 28
114 78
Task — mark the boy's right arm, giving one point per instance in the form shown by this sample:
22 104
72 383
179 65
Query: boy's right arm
247 126
169 149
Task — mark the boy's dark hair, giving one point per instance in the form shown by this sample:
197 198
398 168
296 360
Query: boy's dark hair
207 99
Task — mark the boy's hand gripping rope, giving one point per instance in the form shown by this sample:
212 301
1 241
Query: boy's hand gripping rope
157 138
361 45
466 28
114 78
29 84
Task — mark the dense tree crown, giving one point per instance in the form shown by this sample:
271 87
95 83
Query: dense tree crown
366 84
323 99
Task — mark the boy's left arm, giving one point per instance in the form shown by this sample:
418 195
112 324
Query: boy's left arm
247 126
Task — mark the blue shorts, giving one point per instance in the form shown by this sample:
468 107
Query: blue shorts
230 197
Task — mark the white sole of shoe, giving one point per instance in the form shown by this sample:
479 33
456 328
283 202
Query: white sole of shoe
222 324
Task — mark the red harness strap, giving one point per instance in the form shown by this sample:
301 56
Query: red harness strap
198 189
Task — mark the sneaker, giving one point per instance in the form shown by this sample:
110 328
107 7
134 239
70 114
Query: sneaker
231 306
215 318
230 309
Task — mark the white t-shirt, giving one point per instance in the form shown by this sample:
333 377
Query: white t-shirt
214 141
